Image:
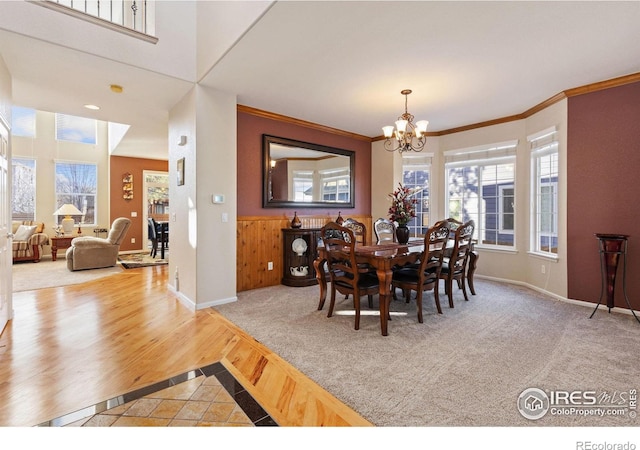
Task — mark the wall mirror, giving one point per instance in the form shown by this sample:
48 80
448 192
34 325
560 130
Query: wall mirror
297 173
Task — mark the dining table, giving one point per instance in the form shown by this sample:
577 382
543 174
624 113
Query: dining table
382 257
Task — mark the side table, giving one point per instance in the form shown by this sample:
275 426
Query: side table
60 242
612 248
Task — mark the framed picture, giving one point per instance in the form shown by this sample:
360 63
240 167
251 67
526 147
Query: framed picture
180 171
127 186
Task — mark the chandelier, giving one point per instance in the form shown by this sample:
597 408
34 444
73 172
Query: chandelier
405 132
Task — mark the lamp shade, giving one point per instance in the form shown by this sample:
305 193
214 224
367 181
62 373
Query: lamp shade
67 210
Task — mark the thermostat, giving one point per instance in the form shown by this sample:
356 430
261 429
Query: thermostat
217 198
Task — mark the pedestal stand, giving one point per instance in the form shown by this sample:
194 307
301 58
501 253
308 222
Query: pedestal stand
612 247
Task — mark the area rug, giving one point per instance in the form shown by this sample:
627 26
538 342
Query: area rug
28 275
465 367
144 259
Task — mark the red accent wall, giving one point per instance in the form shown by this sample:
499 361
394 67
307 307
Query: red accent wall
250 131
123 208
603 167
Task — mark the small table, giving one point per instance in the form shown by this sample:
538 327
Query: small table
613 247
60 242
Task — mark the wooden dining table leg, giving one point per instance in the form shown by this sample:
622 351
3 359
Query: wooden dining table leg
384 278
321 276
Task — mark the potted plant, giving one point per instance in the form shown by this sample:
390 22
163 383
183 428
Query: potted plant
402 210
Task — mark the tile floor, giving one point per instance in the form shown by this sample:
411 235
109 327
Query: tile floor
209 396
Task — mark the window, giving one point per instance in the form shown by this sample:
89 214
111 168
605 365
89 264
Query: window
506 213
416 171
76 183
544 182
23 122
335 185
302 186
23 195
481 187
76 129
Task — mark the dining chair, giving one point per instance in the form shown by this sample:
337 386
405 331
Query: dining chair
470 265
385 231
359 230
454 265
425 275
346 276
152 233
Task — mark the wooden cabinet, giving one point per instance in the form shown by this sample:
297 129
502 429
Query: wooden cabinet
299 250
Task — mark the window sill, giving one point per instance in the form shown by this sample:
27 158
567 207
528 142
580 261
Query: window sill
492 248
545 256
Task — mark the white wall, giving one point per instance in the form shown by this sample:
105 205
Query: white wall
203 244
386 172
182 122
174 54
5 92
220 25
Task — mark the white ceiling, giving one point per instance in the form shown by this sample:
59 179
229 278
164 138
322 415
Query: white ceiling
336 63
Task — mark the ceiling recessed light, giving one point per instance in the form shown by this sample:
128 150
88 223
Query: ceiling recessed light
116 88
94 107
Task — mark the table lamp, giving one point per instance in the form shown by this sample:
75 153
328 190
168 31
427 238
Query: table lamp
67 210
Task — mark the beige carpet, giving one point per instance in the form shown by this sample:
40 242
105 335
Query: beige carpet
465 367
46 273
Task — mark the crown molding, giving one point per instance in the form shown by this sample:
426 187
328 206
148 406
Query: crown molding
586 89
299 122
602 85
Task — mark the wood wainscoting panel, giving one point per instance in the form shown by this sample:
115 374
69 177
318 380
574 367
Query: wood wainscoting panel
259 241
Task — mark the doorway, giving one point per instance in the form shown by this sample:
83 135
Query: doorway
6 256
155 199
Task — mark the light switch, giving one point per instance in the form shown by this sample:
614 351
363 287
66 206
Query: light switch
134 214
225 217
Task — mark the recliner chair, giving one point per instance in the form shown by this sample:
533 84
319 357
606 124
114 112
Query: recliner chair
89 252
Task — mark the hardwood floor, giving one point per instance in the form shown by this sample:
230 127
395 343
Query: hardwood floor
71 347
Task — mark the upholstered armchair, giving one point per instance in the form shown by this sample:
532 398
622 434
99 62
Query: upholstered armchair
28 240
89 252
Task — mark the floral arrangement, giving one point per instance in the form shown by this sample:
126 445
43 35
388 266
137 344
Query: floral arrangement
403 207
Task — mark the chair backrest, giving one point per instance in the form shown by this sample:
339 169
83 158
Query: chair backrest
118 230
385 230
435 244
339 243
152 229
461 247
358 228
453 225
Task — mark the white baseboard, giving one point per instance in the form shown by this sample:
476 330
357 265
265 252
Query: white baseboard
556 296
192 306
